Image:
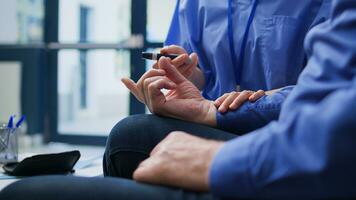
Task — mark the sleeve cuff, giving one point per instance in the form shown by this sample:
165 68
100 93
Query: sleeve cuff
229 172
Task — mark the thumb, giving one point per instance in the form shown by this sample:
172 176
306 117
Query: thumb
194 58
132 86
171 72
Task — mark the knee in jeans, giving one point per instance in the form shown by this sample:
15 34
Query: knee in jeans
128 132
127 145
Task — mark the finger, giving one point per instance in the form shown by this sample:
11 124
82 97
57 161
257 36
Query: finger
147 171
190 64
150 73
155 66
242 98
173 49
148 81
227 102
131 85
154 90
187 70
194 58
257 95
181 60
221 99
168 84
171 72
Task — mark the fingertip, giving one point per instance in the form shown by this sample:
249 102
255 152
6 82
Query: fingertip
261 91
163 60
126 80
137 174
155 66
233 106
185 56
165 63
194 57
129 84
163 50
222 109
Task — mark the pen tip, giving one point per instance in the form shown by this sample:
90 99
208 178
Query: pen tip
146 55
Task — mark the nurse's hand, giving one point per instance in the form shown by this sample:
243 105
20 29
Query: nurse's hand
233 100
184 101
186 64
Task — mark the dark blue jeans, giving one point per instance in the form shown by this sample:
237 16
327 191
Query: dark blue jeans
132 140
77 188
129 143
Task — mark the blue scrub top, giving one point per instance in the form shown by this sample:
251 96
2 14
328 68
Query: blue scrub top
310 152
256 44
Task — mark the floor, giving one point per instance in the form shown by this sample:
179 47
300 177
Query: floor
89 165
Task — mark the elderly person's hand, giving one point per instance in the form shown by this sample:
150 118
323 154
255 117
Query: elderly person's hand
184 101
180 160
137 88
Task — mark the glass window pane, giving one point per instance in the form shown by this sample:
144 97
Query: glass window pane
10 89
91 96
159 14
104 21
21 21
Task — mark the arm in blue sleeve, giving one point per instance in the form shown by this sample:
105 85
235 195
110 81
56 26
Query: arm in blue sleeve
310 151
251 116
313 156
174 33
177 34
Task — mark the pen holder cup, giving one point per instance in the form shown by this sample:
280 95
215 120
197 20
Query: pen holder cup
8 144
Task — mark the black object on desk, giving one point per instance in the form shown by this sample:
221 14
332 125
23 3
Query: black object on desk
44 164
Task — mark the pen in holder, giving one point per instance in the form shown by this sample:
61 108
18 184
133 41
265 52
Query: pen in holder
8 144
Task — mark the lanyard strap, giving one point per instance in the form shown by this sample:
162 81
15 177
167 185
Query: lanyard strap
238 66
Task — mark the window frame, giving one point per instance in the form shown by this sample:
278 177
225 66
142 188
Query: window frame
39 96
138 28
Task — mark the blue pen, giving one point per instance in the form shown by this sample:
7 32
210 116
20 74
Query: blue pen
22 119
10 125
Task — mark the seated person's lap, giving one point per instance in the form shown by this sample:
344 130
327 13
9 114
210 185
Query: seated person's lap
78 188
133 138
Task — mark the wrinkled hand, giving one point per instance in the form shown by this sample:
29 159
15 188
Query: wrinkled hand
137 88
180 160
233 100
184 101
